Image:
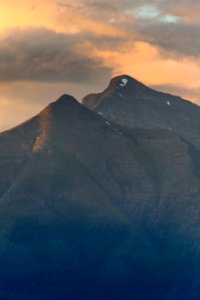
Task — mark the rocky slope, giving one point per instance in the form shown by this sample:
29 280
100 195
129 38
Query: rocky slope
91 209
128 102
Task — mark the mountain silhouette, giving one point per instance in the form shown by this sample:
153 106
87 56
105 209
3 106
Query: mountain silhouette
98 206
136 105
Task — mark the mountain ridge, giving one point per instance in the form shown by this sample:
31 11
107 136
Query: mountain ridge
143 107
91 208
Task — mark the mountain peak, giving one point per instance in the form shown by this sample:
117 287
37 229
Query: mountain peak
66 104
120 87
65 99
128 102
60 119
125 81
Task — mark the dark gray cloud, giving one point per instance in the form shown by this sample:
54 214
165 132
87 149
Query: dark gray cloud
99 8
171 25
174 28
179 39
44 55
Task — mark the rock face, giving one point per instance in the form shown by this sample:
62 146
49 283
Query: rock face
135 105
93 209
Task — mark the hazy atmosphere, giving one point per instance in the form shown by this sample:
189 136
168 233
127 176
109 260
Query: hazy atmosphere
51 47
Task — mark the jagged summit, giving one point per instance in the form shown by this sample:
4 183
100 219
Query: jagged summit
125 81
129 102
121 84
120 87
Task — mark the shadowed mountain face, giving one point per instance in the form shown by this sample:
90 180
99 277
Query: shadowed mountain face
91 209
128 102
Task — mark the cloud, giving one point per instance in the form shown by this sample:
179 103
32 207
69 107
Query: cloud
187 10
82 43
173 26
40 54
145 12
179 38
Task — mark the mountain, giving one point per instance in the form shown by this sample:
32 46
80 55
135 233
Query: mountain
93 209
128 102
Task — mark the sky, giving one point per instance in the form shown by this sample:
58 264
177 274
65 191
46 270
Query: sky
51 47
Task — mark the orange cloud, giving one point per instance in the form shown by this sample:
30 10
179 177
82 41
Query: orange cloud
145 63
86 24
101 32
47 14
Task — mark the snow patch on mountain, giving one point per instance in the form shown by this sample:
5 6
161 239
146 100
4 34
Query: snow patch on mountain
123 82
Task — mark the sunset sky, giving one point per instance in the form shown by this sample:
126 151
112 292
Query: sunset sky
51 47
